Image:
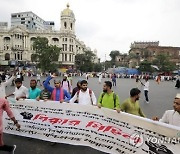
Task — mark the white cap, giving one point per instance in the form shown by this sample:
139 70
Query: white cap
178 95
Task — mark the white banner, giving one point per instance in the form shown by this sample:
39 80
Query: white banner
102 129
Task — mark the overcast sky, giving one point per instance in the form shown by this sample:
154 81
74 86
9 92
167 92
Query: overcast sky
108 25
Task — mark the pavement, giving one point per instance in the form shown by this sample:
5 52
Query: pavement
160 99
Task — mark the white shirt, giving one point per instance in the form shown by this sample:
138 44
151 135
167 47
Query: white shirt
38 76
22 91
3 86
146 86
171 117
84 98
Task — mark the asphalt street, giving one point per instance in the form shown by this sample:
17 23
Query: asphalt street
161 98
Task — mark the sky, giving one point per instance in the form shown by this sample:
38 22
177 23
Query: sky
108 25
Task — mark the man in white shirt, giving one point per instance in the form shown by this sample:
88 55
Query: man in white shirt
85 96
20 90
172 117
3 86
146 89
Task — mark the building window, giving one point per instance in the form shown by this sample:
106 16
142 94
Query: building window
66 39
65 25
71 26
65 47
13 16
7 56
69 57
22 22
22 18
65 57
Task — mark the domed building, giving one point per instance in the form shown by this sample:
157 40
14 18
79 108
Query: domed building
16 42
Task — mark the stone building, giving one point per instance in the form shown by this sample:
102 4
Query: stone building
122 60
141 51
16 42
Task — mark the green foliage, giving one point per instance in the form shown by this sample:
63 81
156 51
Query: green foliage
97 67
46 55
145 66
113 56
84 62
163 63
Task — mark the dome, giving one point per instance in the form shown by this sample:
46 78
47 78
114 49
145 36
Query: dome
67 12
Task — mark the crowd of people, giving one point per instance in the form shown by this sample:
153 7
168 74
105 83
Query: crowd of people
63 92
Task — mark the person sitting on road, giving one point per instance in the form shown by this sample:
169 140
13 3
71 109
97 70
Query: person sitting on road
108 98
172 117
57 93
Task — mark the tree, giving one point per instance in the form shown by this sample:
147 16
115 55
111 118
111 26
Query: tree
145 66
163 62
84 62
97 67
45 55
113 56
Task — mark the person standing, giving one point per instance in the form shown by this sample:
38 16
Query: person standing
131 105
39 79
44 95
177 83
69 78
108 98
100 78
4 106
85 96
57 93
34 92
172 117
3 86
114 79
66 85
146 89
20 90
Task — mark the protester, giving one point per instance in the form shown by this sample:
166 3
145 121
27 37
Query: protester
158 79
20 90
137 81
113 79
108 98
34 92
69 78
44 95
76 88
3 86
172 117
100 78
146 89
131 105
4 106
177 83
84 96
39 79
66 85
57 93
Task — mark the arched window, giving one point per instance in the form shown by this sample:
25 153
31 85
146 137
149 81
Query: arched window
7 56
65 25
71 26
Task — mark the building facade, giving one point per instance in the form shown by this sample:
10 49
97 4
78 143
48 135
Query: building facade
16 43
141 51
31 21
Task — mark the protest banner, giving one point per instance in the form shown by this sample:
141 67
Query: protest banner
102 129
